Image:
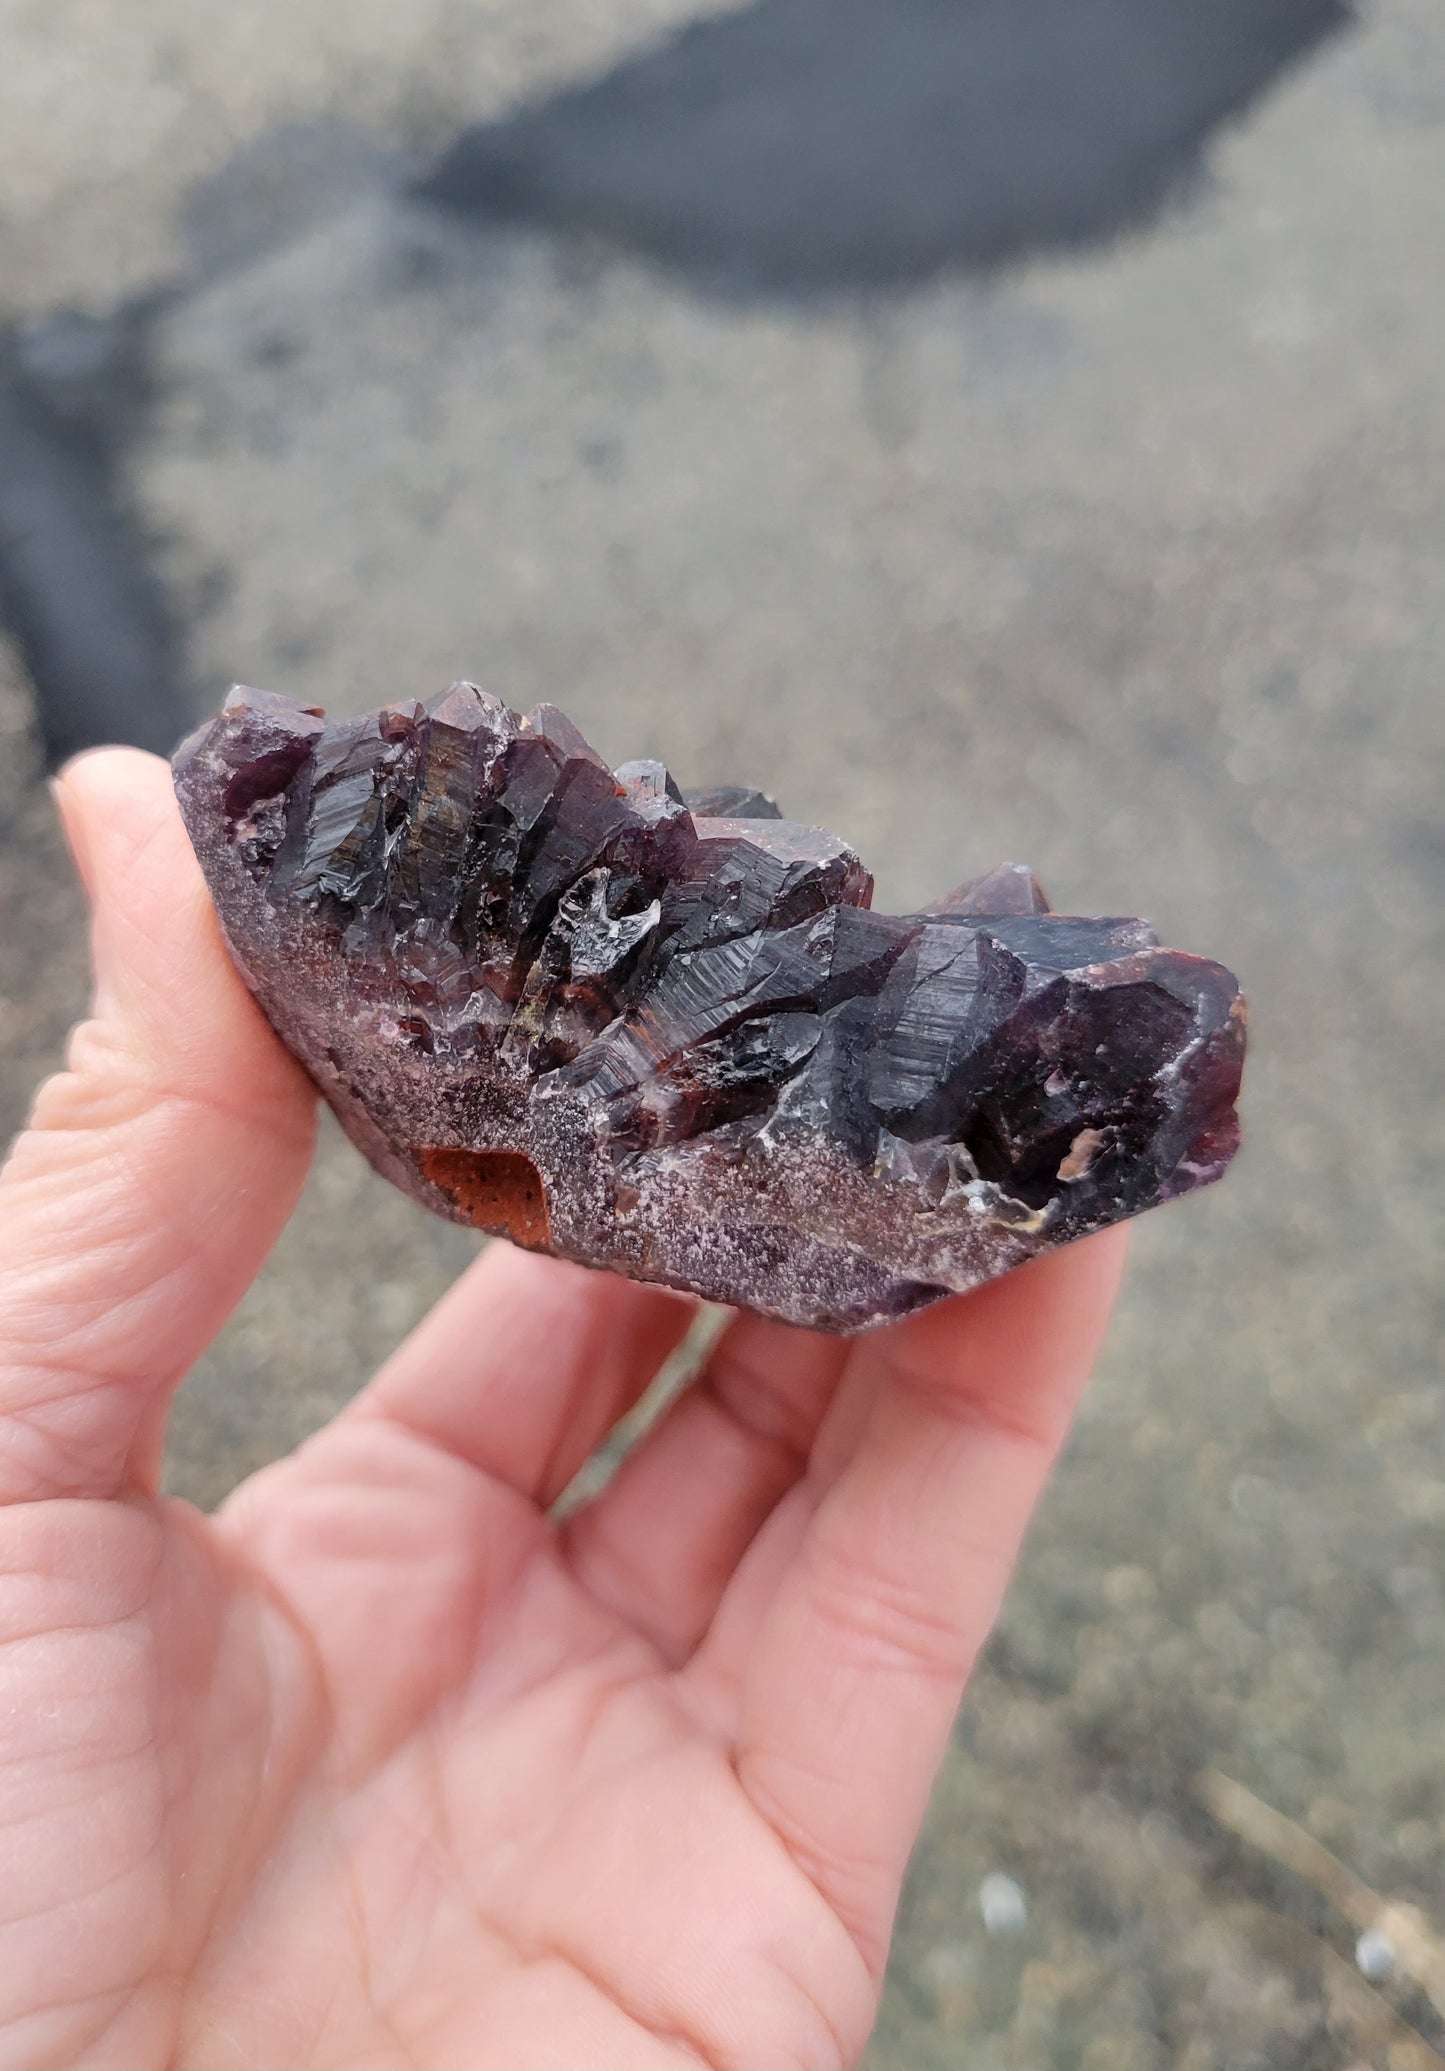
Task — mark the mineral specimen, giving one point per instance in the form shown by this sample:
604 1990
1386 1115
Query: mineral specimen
662 1032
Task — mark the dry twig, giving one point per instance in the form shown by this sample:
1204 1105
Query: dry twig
1417 1945
1353 2007
677 1374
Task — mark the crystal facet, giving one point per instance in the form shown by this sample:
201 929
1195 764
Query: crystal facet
663 1032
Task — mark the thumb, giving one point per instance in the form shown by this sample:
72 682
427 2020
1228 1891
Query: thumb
158 1167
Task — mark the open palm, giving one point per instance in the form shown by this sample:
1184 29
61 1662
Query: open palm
382 1766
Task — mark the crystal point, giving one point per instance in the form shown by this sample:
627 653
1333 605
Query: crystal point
661 1031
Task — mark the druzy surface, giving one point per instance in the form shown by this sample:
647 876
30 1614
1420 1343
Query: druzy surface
663 1032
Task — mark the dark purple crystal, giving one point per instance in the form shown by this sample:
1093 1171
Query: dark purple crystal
663 1032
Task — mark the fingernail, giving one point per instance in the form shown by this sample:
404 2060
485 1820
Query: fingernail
77 834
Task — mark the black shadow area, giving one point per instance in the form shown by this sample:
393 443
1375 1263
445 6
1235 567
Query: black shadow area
77 593
838 143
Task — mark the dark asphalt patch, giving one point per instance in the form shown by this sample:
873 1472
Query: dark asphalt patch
836 143
797 145
99 637
76 590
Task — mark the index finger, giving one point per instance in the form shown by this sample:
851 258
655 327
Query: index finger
851 1627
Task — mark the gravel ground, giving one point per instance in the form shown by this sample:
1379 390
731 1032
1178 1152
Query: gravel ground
1122 561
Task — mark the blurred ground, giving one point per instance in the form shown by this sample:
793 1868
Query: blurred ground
1122 560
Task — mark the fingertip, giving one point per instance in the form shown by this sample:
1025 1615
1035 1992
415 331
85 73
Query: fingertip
113 804
1024 1343
71 815
1083 1274
88 763
1090 1268
1083 1277
165 981
99 777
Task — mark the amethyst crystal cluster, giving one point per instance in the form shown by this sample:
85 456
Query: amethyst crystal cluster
662 1032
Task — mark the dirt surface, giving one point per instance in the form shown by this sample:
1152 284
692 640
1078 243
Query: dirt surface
1121 560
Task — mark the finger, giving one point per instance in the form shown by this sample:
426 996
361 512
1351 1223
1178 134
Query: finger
526 1364
661 1543
157 1168
848 1635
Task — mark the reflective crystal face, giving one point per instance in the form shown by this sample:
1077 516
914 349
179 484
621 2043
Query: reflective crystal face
663 1032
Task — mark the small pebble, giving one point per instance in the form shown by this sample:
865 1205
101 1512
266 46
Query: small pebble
1003 1905
1375 1954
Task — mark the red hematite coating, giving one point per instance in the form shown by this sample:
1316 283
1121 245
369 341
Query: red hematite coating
662 1032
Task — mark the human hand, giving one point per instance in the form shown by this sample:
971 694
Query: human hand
380 1767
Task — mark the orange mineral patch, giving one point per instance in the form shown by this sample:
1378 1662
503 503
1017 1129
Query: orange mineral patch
497 1191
